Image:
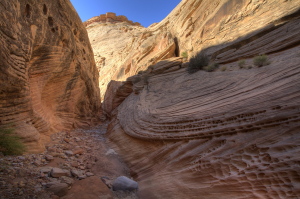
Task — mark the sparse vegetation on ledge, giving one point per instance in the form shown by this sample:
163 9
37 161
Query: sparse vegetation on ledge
184 54
10 144
201 62
261 60
242 63
211 67
198 62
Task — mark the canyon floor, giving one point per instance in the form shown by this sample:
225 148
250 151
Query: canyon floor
88 167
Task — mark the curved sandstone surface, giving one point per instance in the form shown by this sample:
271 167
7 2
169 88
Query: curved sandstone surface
48 77
230 133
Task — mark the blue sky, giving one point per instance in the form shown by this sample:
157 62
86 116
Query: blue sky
144 12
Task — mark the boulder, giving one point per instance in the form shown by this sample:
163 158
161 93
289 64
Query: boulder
59 189
124 183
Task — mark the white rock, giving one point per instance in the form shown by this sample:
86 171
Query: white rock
125 184
111 152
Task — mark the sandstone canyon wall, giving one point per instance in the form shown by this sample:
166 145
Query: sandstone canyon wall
122 49
48 78
230 133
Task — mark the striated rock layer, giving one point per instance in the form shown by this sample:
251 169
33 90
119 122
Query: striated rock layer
122 50
110 17
223 134
48 77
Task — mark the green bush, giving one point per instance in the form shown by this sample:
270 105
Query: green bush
242 63
184 54
261 60
10 144
198 62
211 67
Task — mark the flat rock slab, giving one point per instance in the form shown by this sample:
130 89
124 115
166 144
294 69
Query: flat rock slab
57 172
123 183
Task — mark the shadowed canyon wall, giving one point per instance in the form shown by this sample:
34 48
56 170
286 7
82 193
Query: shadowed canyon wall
48 78
230 133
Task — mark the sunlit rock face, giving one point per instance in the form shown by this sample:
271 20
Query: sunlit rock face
48 77
123 48
230 133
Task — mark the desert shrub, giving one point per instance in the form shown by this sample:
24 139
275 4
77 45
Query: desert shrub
198 62
211 67
223 68
10 144
261 60
184 54
242 63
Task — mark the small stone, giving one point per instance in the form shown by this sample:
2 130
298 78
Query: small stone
77 139
74 164
82 177
21 184
37 188
124 184
89 166
59 189
111 152
89 149
63 156
21 158
57 172
77 173
82 167
107 181
46 170
89 174
67 180
66 140
55 154
37 163
79 151
51 149
69 153
49 157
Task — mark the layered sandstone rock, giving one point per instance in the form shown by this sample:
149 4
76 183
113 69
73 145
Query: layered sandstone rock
224 134
110 17
123 49
48 78
192 26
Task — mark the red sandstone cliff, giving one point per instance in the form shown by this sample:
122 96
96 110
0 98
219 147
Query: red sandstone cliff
48 78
